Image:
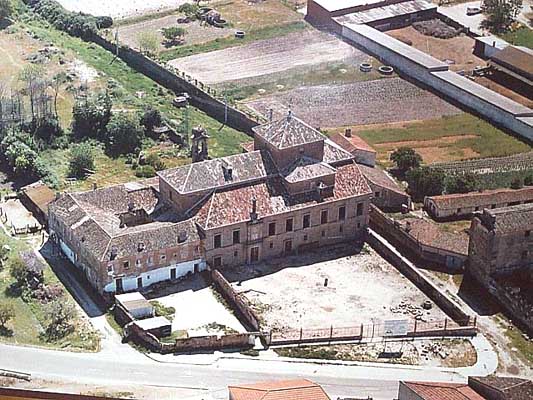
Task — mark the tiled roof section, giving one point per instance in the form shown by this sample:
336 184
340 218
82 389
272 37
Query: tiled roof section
352 144
443 391
232 206
474 199
248 147
40 195
300 389
516 59
501 382
379 177
289 131
306 168
428 233
208 175
509 219
333 153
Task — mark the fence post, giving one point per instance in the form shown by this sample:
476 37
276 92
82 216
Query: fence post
361 334
330 334
373 326
301 333
415 326
445 324
475 321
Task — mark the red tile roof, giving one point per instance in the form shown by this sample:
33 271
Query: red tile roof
430 234
299 389
443 391
352 143
484 198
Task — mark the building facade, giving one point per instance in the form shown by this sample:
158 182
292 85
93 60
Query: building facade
294 190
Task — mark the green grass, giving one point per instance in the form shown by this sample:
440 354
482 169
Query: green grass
313 352
162 311
29 319
521 37
489 140
223 43
516 337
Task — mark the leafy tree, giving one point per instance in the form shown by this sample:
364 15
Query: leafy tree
151 118
155 161
58 317
19 271
425 181
124 134
148 42
46 129
174 34
91 116
20 155
145 171
6 9
405 159
58 80
465 183
81 160
7 313
189 9
516 183
500 14
34 78
528 180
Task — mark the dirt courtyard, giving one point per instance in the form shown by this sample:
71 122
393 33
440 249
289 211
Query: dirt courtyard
17 215
299 49
360 103
362 288
456 51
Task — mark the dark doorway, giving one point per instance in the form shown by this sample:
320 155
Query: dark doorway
254 254
288 246
118 286
173 273
196 268
139 282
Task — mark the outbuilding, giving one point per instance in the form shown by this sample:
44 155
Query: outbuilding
135 304
157 326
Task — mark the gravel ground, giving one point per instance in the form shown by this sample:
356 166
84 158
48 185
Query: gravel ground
306 48
18 215
371 102
362 288
120 8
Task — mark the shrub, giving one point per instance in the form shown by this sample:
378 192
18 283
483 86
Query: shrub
405 159
528 180
81 160
462 183
7 313
145 171
18 271
425 182
90 116
516 183
124 134
155 161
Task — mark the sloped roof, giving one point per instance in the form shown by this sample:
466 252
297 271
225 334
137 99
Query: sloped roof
430 234
509 219
352 144
475 199
443 391
298 389
379 177
287 132
306 168
40 195
210 174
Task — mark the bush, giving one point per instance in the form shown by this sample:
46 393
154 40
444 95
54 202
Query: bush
81 160
405 159
151 118
189 9
90 116
155 161
124 134
6 9
516 183
425 182
18 271
7 313
528 180
462 183
146 171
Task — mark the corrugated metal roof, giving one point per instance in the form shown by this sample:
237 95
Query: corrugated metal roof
384 12
337 5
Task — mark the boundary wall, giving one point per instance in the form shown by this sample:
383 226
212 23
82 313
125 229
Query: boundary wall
435 74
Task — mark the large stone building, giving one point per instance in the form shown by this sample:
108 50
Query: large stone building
293 191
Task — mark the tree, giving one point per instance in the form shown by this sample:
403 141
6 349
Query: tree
58 317
7 313
148 42
405 159
6 9
20 155
19 271
81 160
516 183
500 14
528 180
174 34
58 80
124 133
465 183
33 76
91 116
425 182
151 118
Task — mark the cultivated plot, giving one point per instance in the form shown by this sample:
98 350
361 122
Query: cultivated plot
306 48
371 102
362 288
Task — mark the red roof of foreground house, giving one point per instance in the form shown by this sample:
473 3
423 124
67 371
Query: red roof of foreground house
299 389
352 143
443 391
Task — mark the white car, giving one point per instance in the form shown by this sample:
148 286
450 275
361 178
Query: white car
473 10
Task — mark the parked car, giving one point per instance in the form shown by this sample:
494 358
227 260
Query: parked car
473 10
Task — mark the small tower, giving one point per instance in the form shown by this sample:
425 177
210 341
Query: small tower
199 144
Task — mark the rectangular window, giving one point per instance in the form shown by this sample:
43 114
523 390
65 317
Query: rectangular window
527 234
359 209
236 237
217 241
138 263
305 238
324 217
376 195
235 254
306 221
272 229
271 245
288 225
217 262
109 267
150 261
323 233
126 265
342 213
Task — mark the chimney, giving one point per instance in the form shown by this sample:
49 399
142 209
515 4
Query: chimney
253 214
348 132
114 253
95 186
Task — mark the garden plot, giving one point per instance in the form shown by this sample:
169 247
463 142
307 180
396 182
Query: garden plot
198 310
301 49
362 288
371 102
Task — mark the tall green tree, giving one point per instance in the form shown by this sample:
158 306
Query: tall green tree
7 313
6 9
500 14
425 181
464 183
91 115
124 134
405 159
81 160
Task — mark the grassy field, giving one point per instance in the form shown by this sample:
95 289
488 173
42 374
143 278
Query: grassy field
225 42
451 138
520 37
27 325
127 82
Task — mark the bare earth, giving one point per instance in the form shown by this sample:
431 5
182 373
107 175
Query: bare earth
120 8
371 102
362 288
306 48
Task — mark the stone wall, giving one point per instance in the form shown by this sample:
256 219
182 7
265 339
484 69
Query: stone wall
236 301
516 306
200 95
448 305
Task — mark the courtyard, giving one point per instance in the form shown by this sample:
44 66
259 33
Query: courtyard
362 288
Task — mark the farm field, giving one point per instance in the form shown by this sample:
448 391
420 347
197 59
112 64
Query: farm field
449 138
307 48
360 103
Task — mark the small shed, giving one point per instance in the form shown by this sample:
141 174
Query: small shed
157 326
135 304
36 198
